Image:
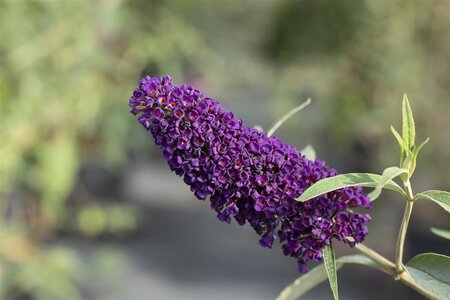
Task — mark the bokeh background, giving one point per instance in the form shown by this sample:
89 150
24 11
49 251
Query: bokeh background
89 210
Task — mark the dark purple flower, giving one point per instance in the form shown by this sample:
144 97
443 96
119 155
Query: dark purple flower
260 204
158 114
183 143
178 113
249 176
262 180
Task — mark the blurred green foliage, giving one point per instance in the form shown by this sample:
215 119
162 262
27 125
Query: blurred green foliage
68 68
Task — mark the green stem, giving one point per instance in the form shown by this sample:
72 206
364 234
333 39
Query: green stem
403 228
386 265
401 238
390 268
397 270
409 192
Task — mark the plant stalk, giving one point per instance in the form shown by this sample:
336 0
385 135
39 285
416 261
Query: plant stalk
403 228
390 268
387 265
401 238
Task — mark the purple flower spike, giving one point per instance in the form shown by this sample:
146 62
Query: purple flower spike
247 175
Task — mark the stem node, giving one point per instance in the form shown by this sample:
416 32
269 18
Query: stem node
389 268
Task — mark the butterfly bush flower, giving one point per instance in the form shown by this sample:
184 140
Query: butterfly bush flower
247 175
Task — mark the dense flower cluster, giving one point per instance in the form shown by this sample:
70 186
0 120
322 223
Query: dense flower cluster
247 175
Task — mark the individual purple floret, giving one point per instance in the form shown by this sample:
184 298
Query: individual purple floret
247 175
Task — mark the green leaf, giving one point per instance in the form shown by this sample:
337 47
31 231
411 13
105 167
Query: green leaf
57 167
387 176
346 180
408 127
400 142
431 271
287 116
397 137
412 165
329 261
305 283
418 148
441 232
309 152
317 275
373 195
441 198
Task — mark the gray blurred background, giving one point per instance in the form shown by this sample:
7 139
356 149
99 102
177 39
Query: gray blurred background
89 210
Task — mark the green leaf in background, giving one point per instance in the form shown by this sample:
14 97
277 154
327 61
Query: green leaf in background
91 220
387 176
441 198
443 233
431 271
346 180
317 275
309 152
287 116
329 262
408 127
57 167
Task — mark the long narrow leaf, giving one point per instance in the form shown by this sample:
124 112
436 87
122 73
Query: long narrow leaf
317 275
397 137
346 180
287 116
329 261
416 151
408 127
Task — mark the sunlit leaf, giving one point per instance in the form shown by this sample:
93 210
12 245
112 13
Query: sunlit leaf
346 180
431 272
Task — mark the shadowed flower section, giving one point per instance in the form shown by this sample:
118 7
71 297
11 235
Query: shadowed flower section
247 175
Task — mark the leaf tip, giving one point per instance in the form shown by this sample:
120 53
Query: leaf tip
405 97
397 137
